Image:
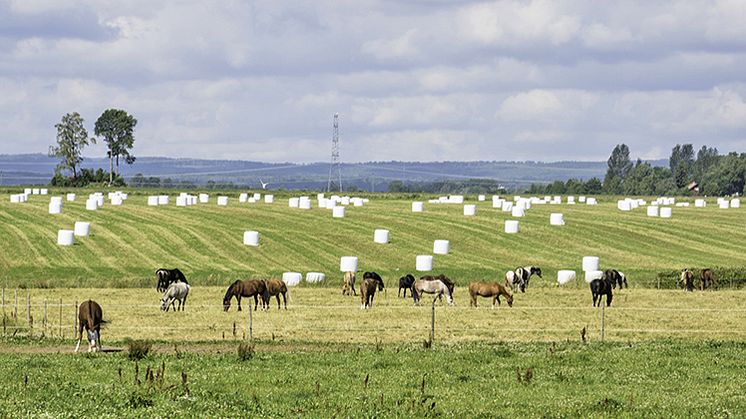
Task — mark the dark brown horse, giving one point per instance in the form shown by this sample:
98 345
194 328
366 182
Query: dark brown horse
249 288
485 289
166 277
276 287
371 282
90 318
707 279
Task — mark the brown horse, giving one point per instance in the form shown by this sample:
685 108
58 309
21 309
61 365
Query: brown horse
371 282
707 279
249 288
90 317
485 289
687 280
444 279
275 287
349 283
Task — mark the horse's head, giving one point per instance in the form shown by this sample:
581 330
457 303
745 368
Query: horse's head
93 337
226 304
380 285
535 270
509 299
164 306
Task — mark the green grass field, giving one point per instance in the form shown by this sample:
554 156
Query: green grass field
666 353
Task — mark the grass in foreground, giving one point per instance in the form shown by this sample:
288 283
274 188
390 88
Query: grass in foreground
662 378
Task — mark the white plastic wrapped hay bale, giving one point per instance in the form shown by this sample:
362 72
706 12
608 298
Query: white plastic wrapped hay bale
55 207
682 204
222 201
418 206
591 263
269 199
348 264
28 191
665 212
82 228
357 202
557 200
243 197
320 196
91 204
565 277
517 212
735 203
291 279
441 247
257 196
70 197
507 206
251 238
556 219
116 200
381 236
470 210
304 203
624 205
511 226
293 202
43 191
424 263
181 201
591 275
571 200
100 199
591 201
315 277
700 203
56 200
723 204
35 191
251 200
581 199
338 212
65 237
16 198
345 200
496 201
330 204
456 199
481 198
153 201
163 199
652 211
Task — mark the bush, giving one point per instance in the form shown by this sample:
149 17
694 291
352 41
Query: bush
138 349
245 351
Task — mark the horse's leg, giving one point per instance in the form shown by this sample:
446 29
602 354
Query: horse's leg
80 336
238 300
284 301
609 297
184 303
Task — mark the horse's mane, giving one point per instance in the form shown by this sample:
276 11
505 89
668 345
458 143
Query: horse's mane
231 287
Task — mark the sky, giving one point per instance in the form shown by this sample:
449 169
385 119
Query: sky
425 80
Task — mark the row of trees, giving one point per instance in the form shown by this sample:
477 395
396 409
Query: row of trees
708 171
115 127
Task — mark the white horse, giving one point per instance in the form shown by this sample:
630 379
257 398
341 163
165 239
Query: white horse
177 291
436 287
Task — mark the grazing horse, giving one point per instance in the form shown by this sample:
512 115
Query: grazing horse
90 317
178 291
275 287
493 290
371 282
707 279
248 288
444 279
600 287
348 283
167 276
405 283
616 277
687 280
436 287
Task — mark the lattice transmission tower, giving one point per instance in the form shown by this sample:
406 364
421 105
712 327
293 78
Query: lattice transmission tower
335 165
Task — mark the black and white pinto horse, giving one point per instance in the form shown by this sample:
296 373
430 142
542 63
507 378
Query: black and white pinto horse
167 277
520 277
616 278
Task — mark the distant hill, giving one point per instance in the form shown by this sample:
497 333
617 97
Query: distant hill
38 169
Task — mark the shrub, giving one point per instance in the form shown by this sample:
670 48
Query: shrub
245 351
138 349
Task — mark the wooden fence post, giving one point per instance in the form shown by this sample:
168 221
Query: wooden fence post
603 318
75 320
251 324
15 308
28 313
432 324
61 335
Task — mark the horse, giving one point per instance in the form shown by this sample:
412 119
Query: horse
436 287
616 277
405 283
248 288
687 280
167 276
348 283
444 279
523 275
275 287
177 291
600 287
493 290
706 279
371 282
90 317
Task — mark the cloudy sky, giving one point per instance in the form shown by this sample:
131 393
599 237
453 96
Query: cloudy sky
411 80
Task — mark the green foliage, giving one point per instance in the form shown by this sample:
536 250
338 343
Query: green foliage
138 349
620 165
72 137
681 164
85 178
117 127
727 277
245 351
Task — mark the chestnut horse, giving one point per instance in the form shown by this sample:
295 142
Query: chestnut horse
248 288
707 279
371 282
90 317
275 287
485 289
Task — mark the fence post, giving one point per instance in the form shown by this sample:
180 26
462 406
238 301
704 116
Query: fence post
15 308
28 313
251 324
3 311
75 320
45 317
61 335
603 318
432 323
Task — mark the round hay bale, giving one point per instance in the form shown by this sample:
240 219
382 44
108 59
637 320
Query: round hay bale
65 237
441 247
204 198
418 206
304 203
507 206
291 279
348 264
315 277
591 263
381 236
518 211
481 198
268 199
163 199
665 212
338 212
251 238
243 197
591 275
511 226
565 276
223 200
153 201
424 263
82 228
735 203
91 204
55 207
470 210
70 197
556 219
652 211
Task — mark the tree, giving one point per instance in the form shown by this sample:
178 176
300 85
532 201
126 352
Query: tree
117 129
619 166
706 158
681 163
71 138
